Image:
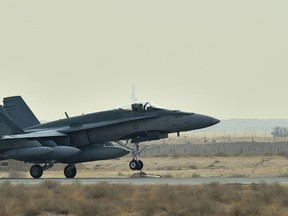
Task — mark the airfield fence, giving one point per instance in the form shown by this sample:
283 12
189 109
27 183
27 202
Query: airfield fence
217 149
209 144
221 137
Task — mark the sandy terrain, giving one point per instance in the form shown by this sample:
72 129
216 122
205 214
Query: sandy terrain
180 167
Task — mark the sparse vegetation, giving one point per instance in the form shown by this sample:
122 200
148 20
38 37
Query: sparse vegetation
17 174
280 132
52 198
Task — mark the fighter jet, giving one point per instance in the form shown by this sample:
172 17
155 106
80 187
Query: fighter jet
91 137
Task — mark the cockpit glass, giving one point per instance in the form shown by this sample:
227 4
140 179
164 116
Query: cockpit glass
141 106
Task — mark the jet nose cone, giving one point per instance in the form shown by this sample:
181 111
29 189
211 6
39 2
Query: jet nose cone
209 121
206 121
215 121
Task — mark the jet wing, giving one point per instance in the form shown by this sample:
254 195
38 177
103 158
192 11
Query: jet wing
37 134
101 124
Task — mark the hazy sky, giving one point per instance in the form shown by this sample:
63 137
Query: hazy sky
227 59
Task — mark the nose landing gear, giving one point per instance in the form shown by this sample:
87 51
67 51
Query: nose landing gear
135 163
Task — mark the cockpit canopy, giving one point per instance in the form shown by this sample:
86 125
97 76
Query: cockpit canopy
141 106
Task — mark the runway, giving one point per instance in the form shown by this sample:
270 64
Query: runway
154 181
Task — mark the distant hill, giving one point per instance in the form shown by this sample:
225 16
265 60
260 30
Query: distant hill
248 125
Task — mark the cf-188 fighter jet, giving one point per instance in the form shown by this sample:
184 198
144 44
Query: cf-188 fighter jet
97 136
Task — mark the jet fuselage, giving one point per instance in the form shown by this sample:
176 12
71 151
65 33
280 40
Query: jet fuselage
138 126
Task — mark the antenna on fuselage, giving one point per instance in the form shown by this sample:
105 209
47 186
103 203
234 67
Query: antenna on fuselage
133 94
66 114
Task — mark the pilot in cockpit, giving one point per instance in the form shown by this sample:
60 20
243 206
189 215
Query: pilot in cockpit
137 107
140 107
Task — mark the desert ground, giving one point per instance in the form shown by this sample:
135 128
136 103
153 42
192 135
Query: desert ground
185 167
178 167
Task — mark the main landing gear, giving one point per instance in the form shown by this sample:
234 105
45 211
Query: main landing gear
36 171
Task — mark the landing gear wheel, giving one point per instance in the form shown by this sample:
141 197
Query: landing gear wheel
70 171
136 165
133 165
140 165
36 171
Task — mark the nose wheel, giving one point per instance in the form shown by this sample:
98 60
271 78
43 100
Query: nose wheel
136 165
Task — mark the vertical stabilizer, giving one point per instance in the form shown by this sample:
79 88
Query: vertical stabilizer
7 126
19 112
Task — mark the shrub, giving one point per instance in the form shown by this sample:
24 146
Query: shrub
109 199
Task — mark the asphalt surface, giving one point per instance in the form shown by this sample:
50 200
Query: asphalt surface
154 181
